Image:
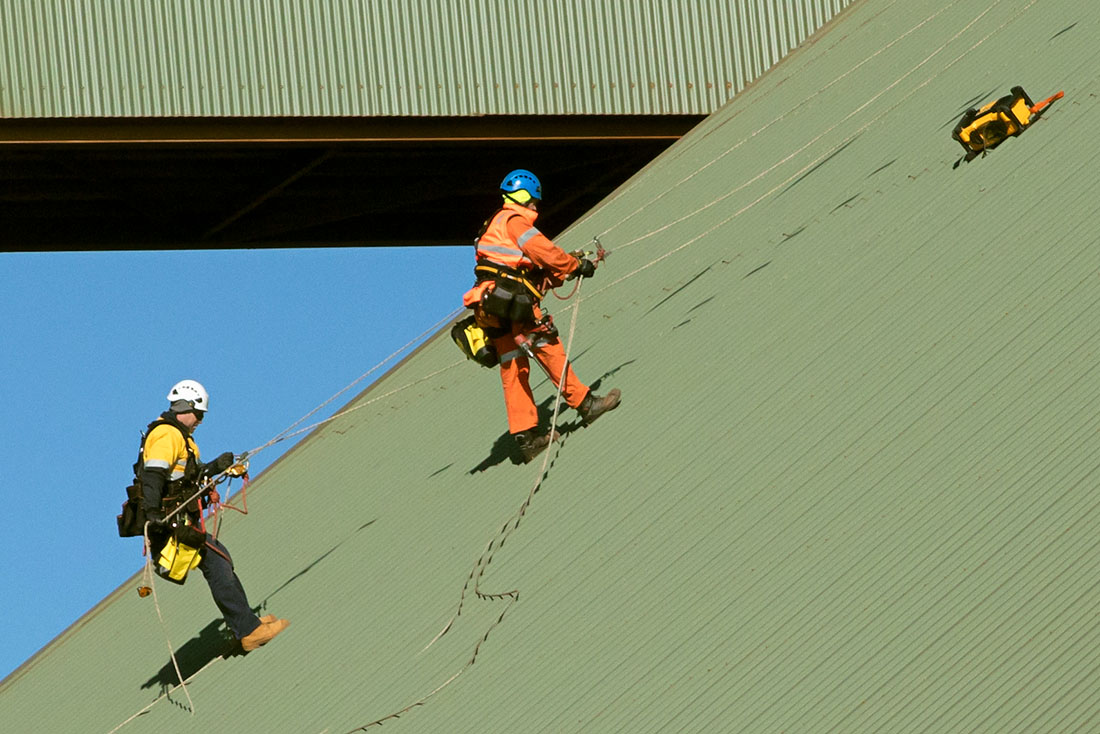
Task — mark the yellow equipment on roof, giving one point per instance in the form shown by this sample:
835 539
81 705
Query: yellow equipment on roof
987 127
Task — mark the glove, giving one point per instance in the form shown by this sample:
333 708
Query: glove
218 465
586 269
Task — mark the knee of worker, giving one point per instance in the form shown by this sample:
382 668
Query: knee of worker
215 557
515 371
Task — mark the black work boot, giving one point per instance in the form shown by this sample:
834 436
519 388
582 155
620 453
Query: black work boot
531 444
594 406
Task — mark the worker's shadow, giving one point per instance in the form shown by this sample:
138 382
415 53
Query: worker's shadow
214 641
504 447
262 606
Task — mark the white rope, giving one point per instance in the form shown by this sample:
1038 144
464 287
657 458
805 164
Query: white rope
513 523
289 433
666 191
286 432
498 541
825 132
150 579
162 696
821 157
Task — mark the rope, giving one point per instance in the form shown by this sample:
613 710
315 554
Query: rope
149 578
761 129
162 696
510 526
286 432
828 130
478 571
494 545
820 158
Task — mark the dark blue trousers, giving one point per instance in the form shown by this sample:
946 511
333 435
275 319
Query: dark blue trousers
225 587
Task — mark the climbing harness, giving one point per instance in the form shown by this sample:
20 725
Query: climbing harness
179 545
983 129
510 294
543 332
183 547
147 586
131 521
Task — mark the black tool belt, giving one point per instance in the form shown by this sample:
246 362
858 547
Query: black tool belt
513 297
174 497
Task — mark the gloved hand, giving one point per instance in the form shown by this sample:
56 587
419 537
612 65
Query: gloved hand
218 465
586 269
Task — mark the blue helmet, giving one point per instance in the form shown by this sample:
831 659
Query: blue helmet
522 180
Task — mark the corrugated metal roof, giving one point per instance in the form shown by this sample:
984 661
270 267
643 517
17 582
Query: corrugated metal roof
111 58
851 486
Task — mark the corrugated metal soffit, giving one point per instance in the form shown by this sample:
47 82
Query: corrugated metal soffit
173 58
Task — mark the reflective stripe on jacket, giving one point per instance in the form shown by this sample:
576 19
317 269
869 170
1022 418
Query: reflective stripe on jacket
497 245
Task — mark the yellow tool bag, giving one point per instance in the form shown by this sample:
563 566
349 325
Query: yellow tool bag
986 127
180 554
474 342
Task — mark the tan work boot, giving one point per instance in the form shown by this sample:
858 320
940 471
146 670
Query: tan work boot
263 634
594 406
531 445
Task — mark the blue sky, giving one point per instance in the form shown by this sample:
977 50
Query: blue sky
90 344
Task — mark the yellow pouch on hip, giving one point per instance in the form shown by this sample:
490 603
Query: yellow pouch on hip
176 560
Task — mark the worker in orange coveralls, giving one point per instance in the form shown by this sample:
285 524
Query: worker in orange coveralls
516 265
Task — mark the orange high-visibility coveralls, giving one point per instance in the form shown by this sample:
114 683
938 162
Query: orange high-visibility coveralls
512 240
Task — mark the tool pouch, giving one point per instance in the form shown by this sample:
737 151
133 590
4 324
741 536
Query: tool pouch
474 342
180 554
509 300
131 521
987 127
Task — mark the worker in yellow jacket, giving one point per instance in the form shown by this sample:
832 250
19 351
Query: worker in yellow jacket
169 473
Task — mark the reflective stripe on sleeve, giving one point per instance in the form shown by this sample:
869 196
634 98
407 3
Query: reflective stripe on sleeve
506 252
526 236
155 464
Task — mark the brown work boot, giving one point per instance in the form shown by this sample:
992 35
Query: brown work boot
594 406
263 634
531 445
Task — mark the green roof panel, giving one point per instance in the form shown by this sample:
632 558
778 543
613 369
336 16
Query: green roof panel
850 486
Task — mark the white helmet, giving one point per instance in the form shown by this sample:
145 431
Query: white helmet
192 392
